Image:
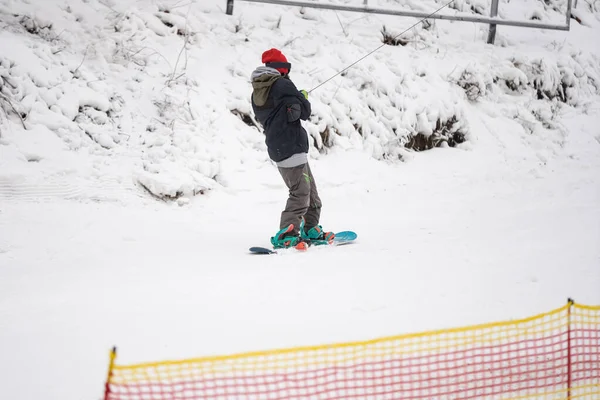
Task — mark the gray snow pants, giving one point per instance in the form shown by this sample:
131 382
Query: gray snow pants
303 200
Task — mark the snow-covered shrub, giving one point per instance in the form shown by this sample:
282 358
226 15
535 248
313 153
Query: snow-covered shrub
481 7
246 118
326 137
511 78
545 78
323 134
555 5
168 175
9 105
562 79
592 5
446 132
423 34
473 81
309 14
546 113
392 39
565 78
36 26
178 23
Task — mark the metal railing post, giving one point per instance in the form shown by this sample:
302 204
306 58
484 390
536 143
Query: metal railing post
229 7
492 31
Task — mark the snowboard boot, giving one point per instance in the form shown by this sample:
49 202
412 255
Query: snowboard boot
285 239
316 234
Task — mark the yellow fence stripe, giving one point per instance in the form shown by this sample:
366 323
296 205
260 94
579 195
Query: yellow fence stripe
586 307
212 359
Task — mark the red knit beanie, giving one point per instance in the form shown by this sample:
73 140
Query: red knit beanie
275 58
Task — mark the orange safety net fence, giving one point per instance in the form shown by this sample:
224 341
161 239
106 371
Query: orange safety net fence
555 355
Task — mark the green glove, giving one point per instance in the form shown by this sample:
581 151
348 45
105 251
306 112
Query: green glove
304 93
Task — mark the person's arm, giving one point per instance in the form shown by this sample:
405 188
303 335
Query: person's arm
294 100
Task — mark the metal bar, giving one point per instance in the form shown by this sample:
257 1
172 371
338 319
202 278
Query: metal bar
492 31
569 2
415 14
229 7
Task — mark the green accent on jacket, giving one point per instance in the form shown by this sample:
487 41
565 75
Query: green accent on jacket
262 86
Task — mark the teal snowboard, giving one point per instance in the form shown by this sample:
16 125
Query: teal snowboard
341 238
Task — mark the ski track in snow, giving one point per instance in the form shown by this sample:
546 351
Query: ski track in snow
23 191
503 226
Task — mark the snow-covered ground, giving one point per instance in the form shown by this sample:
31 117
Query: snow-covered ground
128 203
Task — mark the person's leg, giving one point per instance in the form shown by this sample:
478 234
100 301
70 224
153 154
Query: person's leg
298 198
312 229
313 213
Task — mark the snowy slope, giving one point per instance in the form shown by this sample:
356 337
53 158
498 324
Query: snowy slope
144 86
130 187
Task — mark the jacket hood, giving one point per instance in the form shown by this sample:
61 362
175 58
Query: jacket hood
262 81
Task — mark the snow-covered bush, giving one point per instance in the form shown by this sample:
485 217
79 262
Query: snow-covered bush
419 37
37 26
591 5
511 78
480 7
555 5
246 118
475 81
563 79
392 39
448 132
546 113
7 89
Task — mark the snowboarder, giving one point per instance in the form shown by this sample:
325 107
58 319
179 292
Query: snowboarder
279 106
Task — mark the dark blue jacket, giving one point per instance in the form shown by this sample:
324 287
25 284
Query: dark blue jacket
279 107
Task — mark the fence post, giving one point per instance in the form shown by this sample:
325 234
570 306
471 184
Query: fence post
569 361
492 31
113 355
229 7
569 10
